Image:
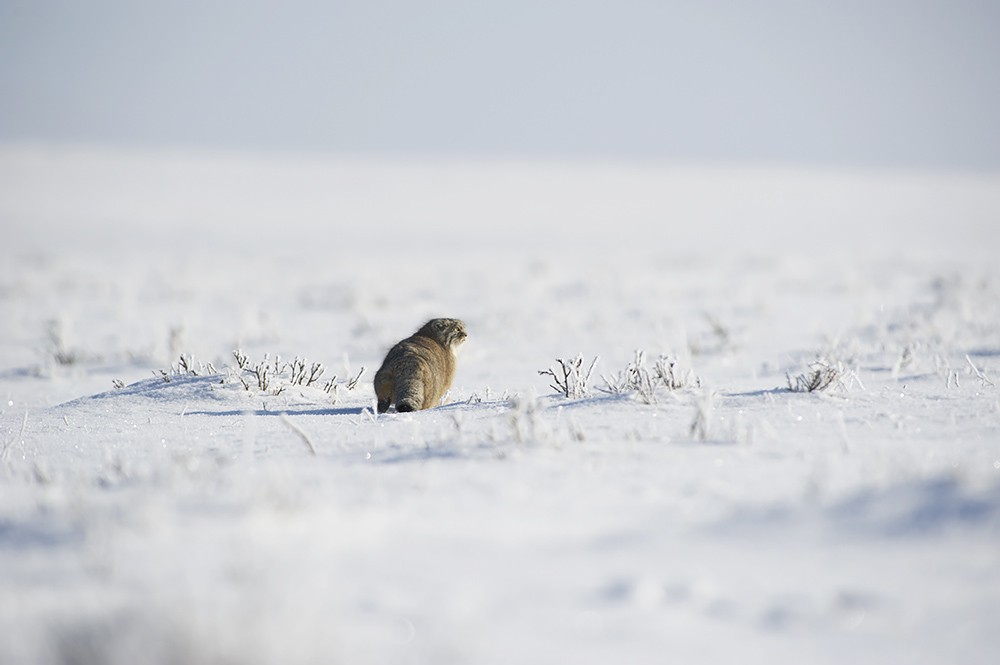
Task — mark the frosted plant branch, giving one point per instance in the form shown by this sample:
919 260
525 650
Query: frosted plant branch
353 383
979 375
242 361
302 375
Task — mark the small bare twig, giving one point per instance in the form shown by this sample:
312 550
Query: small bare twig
979 375
353 383
299 432
5 453
702 421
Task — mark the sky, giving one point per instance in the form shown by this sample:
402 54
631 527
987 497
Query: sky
910 83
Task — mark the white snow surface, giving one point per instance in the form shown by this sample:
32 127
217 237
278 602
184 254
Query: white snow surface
156 514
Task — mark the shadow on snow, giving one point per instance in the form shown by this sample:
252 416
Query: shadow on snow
345 411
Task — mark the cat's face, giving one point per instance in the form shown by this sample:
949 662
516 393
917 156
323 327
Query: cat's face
449 332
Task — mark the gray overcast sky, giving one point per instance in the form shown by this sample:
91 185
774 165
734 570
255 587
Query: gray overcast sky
845 82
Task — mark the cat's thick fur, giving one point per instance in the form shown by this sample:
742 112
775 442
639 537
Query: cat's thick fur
418 371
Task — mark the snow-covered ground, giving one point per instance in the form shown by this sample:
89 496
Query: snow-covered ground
158 506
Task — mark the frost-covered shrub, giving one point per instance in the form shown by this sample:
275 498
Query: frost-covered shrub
275 376
271 376
186 366
644 381
333 386
301 376
571 380
822 375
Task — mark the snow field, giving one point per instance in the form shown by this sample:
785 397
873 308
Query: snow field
151 513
